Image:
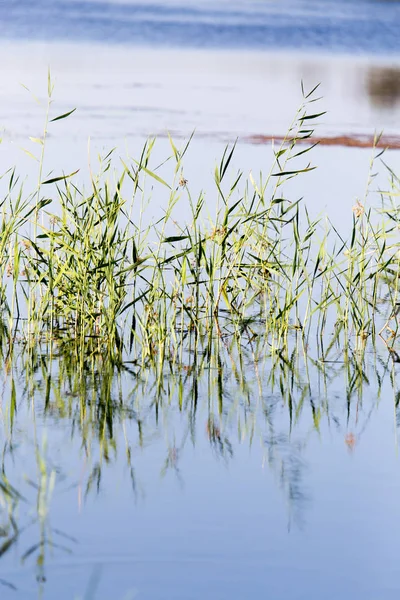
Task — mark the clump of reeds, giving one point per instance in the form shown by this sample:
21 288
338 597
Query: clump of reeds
222 308
79 267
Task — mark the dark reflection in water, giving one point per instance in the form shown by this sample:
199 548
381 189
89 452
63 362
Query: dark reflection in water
383 85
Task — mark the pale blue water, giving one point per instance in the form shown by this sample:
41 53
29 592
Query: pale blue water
266 487
352 26
286 490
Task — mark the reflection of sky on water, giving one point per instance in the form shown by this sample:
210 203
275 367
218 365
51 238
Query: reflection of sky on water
168 510
356 26
132 93
124 95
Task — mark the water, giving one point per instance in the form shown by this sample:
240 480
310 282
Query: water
123 94
232 480
221 489
354 26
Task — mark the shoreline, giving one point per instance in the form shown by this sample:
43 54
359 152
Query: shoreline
351 140
390 142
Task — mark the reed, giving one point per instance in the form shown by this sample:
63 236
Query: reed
79 267
236 327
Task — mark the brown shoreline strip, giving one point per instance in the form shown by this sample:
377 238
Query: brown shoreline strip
391 142
348 141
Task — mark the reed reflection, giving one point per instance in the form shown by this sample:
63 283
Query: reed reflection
281 401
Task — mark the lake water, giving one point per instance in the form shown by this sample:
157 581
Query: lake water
233 480
129 78
233 492
353 26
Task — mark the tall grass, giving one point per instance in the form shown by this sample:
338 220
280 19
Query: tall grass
79 267
220 328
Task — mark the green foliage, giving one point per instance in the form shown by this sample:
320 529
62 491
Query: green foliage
85 268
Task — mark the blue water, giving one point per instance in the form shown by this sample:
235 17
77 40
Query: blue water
245 489
353 26
281 484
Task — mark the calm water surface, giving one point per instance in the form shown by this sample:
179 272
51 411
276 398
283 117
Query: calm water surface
232 480
352 26
276 480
